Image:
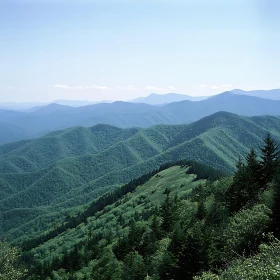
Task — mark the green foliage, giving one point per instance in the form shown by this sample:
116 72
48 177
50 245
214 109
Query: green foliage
245 230
53 177
264 265
113 196
134 267
107 267
116 223
164 225
270 160
176 221
9 265
254 176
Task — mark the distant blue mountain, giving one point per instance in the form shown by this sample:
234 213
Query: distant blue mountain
22 125
273 94
160 99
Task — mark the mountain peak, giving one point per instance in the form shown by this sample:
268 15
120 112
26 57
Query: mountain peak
161 99
52 107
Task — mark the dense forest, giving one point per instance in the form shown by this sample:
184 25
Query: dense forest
45 180
172 224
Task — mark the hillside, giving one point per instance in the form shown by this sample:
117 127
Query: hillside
139 201
125 115
46 178
172 223
11 133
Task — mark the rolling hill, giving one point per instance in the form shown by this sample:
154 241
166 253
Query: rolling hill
124 114
46 178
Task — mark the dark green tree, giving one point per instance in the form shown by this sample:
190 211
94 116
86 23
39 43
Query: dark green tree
189 252
251 178
252 163
239 164
156 226
169 212
201 211
134 267
270 160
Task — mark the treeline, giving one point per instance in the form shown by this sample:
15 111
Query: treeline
204 172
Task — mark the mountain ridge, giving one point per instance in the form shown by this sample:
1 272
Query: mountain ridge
125 114
161 99
112 156
273 94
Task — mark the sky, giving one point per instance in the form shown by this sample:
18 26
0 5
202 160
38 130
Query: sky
120 50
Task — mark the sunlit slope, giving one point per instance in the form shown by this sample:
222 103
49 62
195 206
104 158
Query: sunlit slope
140 201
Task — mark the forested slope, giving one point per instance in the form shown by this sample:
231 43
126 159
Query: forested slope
173 223
42 180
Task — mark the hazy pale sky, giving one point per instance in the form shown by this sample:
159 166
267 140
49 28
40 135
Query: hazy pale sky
119 50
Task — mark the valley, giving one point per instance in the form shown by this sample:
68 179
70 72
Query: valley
45 179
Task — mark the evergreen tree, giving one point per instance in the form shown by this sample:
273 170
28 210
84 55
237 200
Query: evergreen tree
156 227
252 177
201 211
168 212
189 252
270 160
238 194
239 164
252 162
134 267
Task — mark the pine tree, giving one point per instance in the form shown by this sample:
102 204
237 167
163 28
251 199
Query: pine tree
134 267
252 162
168 212
245 188
156 227
270 160
252 176
239 165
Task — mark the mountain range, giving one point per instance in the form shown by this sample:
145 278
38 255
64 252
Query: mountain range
16 125
152 99
160 99
41 180
273 94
